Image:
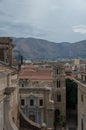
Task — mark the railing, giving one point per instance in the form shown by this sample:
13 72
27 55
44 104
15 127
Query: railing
7 64
8 122
28 120
79 82
4 63
14 127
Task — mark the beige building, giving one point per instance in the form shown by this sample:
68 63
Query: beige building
76 61
8 98
60 89
47 87
81 107
6 50
42 94
36 95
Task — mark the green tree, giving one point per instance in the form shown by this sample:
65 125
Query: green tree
71 93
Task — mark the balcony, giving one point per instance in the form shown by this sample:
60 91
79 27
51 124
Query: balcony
9 90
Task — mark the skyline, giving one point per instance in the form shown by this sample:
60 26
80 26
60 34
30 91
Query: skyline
52 20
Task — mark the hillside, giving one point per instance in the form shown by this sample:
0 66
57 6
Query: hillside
32 48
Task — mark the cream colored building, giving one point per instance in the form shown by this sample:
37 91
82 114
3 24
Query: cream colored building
76 61
8 87
8 98
81 106
36 95
42 94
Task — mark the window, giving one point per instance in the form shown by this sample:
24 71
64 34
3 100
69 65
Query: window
82 77
41 102
22 84
82 99
85 78
82 126
58 98
22 102
31 102
57 71
58 83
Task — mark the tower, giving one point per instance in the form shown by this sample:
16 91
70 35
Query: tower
6 48
59 94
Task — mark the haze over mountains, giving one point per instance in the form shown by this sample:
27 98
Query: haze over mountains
32 48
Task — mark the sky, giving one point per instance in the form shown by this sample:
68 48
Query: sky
53 20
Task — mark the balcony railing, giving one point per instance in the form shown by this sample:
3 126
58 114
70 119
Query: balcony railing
8 122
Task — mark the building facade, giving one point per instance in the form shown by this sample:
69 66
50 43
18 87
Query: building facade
36 95
6 50
8 87
42 94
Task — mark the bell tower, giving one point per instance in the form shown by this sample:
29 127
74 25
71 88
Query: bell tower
6 49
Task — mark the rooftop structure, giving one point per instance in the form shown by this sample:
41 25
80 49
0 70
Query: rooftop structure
6 47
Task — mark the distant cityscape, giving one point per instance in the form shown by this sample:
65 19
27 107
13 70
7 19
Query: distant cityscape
47 94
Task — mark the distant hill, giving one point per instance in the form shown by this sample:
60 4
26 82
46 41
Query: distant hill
32 48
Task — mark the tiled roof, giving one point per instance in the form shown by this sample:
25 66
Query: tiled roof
36 74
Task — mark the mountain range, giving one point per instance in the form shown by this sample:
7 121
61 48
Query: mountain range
39 49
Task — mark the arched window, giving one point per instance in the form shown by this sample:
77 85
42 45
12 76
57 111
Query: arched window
58 83
58 97
31 102
22 84
22 102
57 71
82 98
41 102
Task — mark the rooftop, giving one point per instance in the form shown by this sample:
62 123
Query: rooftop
36 73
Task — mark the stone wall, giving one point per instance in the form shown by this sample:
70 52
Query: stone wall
45 112
1 115
81 107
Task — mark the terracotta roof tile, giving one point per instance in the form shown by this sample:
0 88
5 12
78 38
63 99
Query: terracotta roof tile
36 74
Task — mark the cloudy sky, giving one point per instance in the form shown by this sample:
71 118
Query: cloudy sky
54 20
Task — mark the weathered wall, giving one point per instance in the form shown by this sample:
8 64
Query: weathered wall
81 107
1 115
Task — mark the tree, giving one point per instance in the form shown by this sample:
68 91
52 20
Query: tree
61 123
71 94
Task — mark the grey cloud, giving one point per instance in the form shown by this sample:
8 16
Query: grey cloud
80 29
48 19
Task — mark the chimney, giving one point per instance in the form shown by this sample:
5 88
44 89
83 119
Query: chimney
21 60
